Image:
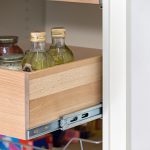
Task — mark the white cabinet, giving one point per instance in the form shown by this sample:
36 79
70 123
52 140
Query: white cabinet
84 25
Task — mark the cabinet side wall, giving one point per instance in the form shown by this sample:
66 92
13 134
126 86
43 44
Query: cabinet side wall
82 21
20 17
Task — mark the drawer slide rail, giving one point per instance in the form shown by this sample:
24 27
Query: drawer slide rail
67 121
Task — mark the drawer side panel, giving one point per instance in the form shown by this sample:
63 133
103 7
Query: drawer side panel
63 89
64 80
52 107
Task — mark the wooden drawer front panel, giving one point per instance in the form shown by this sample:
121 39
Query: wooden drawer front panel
69 90
12 103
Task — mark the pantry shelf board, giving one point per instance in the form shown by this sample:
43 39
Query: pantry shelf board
79 1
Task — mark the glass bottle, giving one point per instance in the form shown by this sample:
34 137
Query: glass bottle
11 54
37 58
58 49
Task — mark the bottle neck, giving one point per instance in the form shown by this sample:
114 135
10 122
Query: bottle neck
38 46
58 41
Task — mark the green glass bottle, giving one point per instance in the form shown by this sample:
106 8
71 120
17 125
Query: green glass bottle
58 49
37 57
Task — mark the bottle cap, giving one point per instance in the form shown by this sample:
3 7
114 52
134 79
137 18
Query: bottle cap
58 32
38 36
8 39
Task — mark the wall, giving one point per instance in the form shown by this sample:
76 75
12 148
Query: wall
140 74
20 17
82 21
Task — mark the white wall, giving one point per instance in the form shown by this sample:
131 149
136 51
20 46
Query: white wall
140 75
20 17
82 21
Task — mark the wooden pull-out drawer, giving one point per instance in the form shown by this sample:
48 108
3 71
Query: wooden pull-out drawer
33 99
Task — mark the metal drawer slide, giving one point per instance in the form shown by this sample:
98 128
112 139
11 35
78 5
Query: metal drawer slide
67 121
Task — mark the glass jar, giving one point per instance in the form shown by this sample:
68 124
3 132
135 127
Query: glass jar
11 54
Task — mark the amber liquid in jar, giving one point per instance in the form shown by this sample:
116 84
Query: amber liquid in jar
8 45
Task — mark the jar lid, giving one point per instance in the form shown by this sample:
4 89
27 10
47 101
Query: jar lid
38 36
11 57
58 32
8 39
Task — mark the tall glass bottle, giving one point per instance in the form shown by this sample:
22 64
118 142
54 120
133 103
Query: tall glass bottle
37 58
58 49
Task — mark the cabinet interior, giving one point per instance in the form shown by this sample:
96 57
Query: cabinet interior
82 21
